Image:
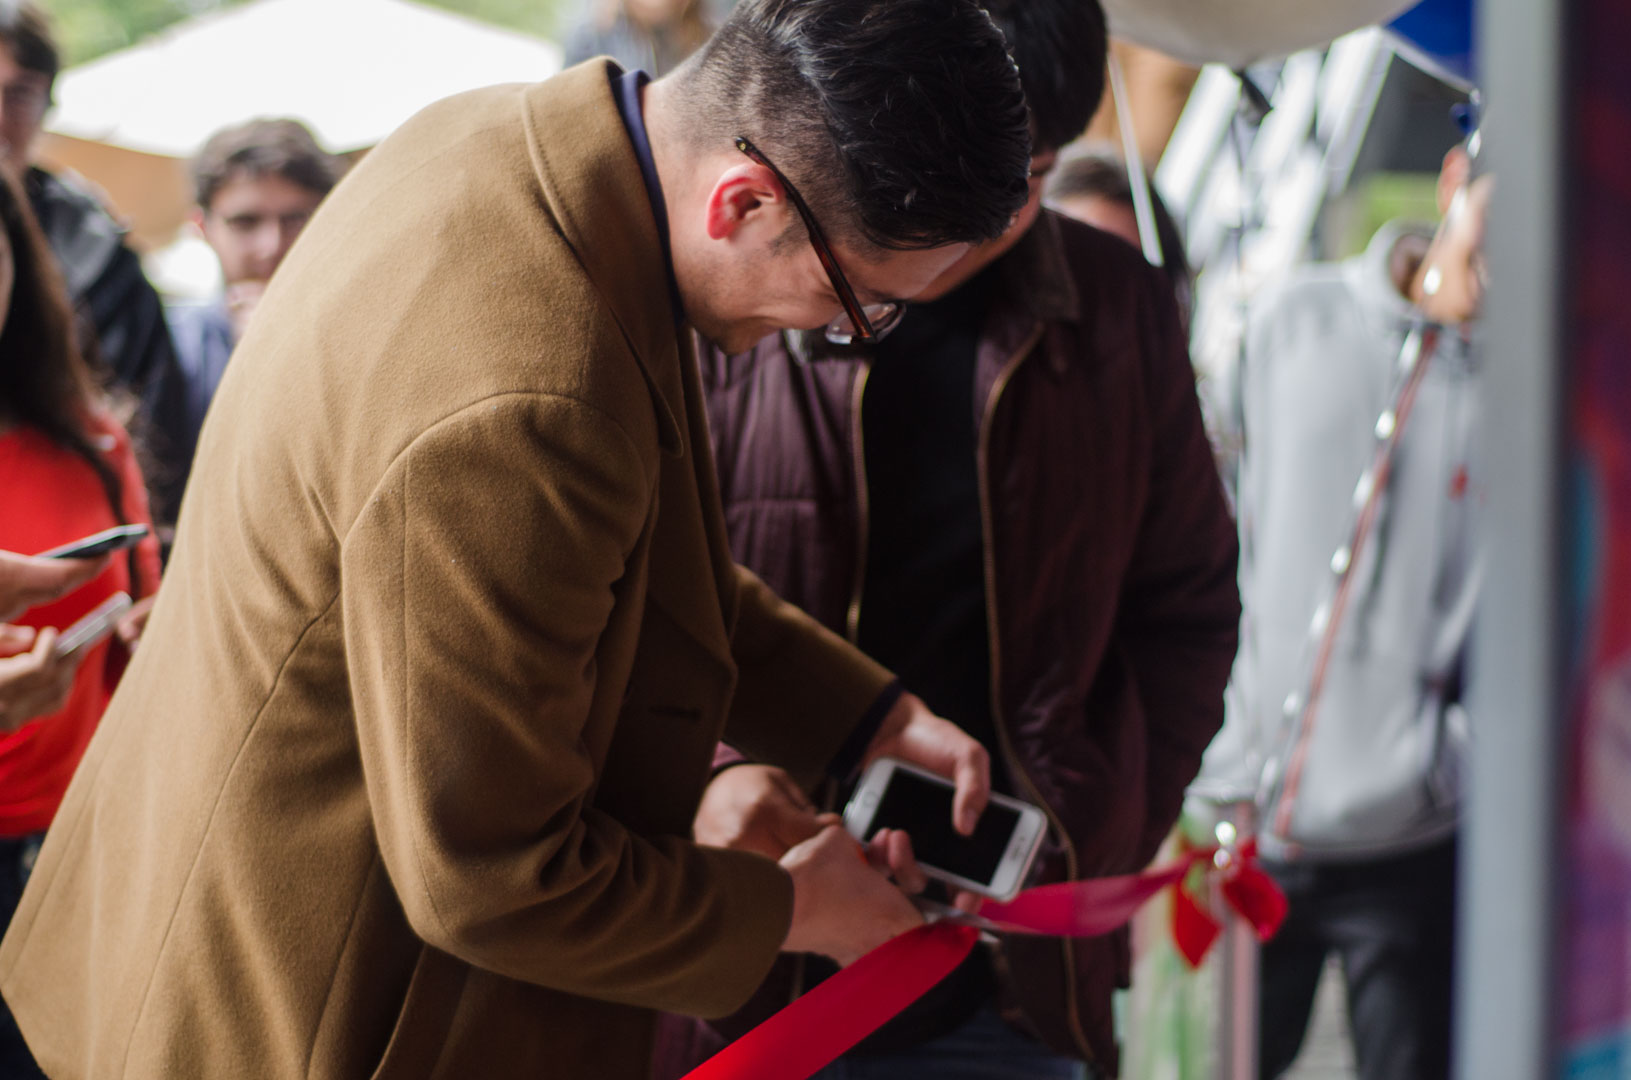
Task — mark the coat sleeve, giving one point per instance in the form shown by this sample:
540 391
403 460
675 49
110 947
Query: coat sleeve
476 583
1180 610
802 689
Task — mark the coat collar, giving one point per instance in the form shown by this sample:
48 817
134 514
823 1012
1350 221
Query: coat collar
1035 279
593 189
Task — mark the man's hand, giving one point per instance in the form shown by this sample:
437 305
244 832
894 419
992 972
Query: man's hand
27 582
843 907
33 683
912 733
756 808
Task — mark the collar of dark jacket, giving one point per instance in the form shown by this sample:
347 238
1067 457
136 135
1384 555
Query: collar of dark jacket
1034 278
1034 285
592 186
81 234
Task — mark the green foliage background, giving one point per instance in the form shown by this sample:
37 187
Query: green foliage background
88 28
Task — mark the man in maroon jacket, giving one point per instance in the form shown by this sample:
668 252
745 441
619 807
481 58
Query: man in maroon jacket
1011 502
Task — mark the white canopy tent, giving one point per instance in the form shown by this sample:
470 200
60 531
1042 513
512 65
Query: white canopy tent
351 70
1241 32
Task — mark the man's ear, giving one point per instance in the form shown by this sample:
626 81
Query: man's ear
195 218
741 193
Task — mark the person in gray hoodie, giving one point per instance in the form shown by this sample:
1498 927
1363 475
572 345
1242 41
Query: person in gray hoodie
1360 795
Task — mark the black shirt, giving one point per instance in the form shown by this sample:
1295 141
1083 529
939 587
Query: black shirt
923 603
923 612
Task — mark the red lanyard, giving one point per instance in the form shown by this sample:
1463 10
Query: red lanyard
1328 618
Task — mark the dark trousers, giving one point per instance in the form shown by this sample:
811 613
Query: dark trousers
1391 923
17 855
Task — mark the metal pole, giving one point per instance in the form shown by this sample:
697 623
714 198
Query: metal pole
1508 909
1236 1057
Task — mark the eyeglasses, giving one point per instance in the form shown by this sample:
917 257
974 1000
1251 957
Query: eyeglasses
860 322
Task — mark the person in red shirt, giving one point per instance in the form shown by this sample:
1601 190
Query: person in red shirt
68 471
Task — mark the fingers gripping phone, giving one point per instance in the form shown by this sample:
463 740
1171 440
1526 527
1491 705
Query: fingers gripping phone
115 539
93 628
993 862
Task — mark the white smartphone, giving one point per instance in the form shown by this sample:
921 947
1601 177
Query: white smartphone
93 627
993 862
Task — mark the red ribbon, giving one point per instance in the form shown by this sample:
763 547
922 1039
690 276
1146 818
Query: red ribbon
821 1026
1251 893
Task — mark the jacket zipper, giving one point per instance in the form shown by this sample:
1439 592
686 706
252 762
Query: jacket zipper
852 618
1015 767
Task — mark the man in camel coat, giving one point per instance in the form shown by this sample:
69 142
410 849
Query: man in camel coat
400 782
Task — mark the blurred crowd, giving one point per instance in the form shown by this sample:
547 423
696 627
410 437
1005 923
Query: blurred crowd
1355 517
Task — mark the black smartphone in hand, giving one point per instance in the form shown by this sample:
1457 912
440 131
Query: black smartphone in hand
102 543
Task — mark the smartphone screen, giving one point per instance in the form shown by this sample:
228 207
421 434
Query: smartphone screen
922 808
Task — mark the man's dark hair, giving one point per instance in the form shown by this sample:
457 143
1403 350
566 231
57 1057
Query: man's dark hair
263 148
901 122
1061 47
26 31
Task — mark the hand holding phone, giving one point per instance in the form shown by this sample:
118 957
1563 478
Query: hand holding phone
992 862
32 683
912 732
27 581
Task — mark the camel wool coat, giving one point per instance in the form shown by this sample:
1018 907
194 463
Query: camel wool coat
400 781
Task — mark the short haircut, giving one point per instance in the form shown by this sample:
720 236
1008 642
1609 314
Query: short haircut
901 122
1061 47
1100 173
262 148
26 31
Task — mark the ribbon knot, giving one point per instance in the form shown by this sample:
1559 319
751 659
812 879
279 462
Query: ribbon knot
1244 887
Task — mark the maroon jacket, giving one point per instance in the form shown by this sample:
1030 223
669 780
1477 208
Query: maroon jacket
1110 564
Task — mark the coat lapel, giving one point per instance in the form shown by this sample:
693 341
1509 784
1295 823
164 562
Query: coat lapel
594 191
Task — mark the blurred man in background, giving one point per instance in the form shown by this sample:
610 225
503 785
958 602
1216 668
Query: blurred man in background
1091 184
256 185
653 36
1363 841
1011 502
104 276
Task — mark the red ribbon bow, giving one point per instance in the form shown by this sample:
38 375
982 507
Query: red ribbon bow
1245 887
821 1026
